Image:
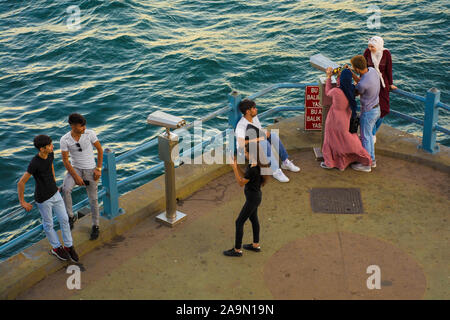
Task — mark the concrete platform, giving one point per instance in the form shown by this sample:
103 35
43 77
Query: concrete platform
305 255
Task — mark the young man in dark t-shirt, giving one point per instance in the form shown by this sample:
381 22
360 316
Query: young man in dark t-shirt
48 198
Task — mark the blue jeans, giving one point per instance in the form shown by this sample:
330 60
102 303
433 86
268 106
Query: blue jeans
279 148
368 120
55 204
377 125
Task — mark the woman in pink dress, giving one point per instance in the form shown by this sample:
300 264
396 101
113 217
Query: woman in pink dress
340 147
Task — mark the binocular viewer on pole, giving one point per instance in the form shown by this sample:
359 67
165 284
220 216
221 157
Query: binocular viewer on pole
162 119
320 62
167 146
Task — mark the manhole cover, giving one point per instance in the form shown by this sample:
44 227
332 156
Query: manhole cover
336 200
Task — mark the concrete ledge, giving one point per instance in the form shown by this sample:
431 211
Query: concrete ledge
398 144
25 269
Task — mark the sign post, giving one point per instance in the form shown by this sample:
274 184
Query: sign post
313 109
325 103
321 62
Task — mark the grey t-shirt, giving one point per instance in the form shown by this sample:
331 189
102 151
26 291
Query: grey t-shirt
369 89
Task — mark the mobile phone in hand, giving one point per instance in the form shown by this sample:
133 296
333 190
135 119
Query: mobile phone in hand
86 182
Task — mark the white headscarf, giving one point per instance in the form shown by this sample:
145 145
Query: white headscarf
378 43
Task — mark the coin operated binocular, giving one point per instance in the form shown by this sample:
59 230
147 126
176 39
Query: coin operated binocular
162 119
321 62
168 151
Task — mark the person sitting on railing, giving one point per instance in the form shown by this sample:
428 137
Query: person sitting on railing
340 147
48 199
380 59
250 118
252 179
81 170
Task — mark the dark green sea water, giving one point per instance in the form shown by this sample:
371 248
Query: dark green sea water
132 57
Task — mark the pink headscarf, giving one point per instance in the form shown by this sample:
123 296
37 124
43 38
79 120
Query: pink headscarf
378 43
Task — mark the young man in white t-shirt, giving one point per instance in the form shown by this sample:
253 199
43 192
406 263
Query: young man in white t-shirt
81 170
250 120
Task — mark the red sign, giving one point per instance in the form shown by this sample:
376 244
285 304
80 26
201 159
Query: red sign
313 109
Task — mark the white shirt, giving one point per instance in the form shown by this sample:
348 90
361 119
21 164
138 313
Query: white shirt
241 127
80 159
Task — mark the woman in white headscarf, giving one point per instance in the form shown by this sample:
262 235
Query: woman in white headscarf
380 59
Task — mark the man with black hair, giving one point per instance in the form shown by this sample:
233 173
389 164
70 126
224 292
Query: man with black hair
48 199
368 87
266 139
81 169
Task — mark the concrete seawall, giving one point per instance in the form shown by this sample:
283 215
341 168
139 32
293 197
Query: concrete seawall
19 273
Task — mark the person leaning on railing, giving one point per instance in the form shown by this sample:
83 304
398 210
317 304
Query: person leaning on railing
381 60
48 199
81 170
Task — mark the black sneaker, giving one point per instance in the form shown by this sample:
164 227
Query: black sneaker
95 232
60 253
232 253
72 221
251 247
72 254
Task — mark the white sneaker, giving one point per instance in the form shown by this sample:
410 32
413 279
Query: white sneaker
360 167
289 165
280 176
374 163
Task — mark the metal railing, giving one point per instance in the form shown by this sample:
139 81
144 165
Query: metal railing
110 193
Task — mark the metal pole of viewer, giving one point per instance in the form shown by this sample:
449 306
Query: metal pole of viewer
168 145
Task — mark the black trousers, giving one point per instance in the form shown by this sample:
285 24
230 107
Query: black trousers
248 211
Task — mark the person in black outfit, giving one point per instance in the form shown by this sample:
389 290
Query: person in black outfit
48 199
252 180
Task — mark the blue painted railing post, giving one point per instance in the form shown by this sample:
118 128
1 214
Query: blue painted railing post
234 115
430 121
109 181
